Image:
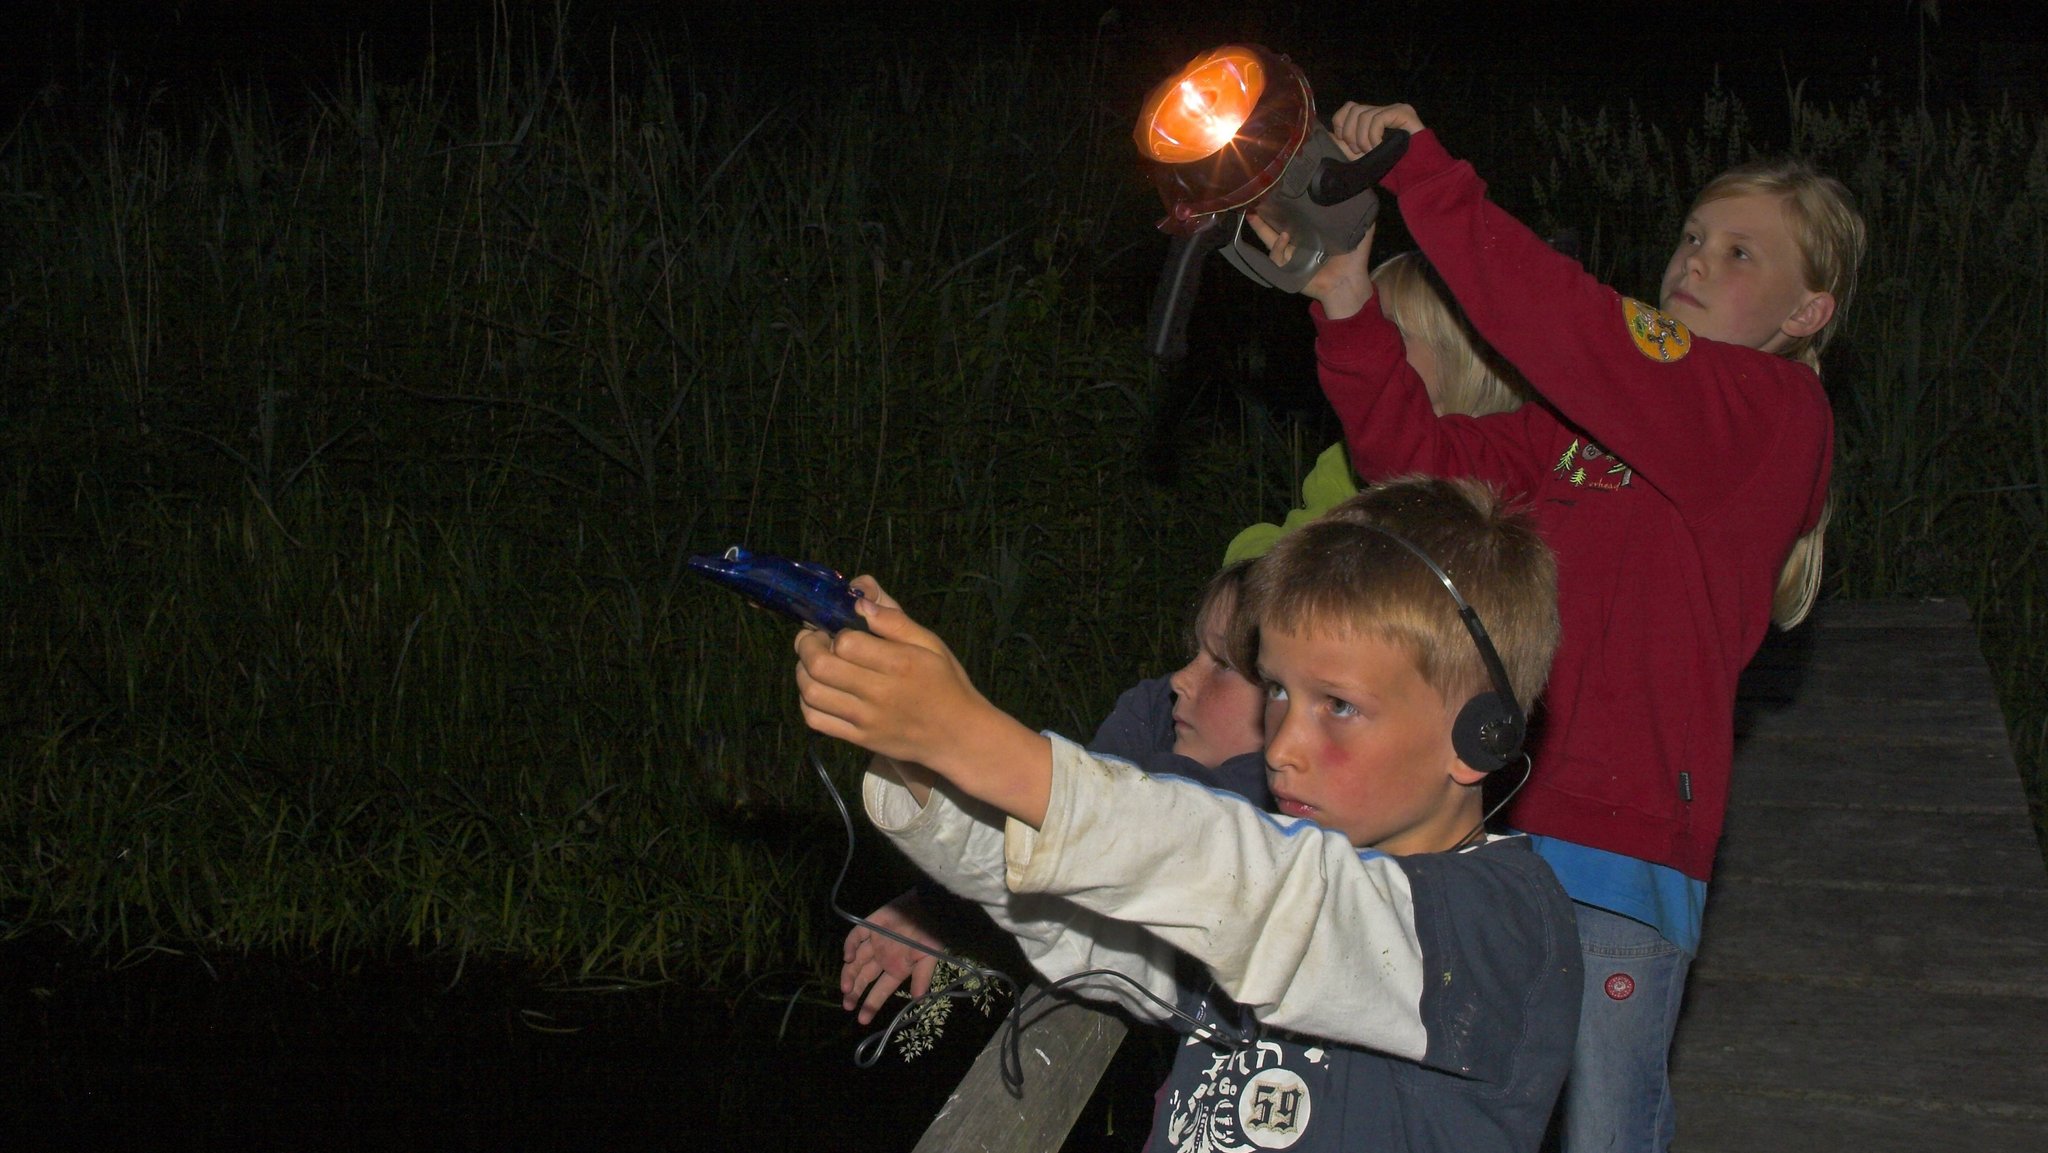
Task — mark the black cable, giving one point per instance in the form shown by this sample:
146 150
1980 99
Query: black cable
871 1048
1478 832
1011 1065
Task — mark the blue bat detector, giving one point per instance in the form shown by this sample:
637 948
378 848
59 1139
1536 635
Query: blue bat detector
810 593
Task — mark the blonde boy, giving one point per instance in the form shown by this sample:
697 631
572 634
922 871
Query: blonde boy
1376 970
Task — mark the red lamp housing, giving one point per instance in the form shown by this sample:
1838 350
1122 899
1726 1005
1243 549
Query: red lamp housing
1222 131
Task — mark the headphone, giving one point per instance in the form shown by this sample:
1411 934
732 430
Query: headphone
1487 734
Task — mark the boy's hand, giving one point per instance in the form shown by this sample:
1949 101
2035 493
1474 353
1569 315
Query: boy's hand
877 966
899 691
1344 282
1359 128
885 690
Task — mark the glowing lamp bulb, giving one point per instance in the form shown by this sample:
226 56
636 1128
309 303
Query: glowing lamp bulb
1198 112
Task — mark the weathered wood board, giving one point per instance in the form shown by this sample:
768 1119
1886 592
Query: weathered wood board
1875 971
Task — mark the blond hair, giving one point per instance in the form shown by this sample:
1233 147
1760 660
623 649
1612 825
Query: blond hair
1343 574
1832 238
1799 580
1474 380
1825 224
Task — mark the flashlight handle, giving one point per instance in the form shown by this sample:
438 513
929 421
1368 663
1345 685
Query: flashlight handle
1180 280
1337 182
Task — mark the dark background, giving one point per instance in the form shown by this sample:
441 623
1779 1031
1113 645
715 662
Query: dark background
361 1056
1646 53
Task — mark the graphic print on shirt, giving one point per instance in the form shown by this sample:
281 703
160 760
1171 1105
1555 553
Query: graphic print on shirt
1657 336
1247 1099
1587 465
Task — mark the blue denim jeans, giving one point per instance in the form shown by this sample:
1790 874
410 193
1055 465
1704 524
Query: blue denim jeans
1618 1096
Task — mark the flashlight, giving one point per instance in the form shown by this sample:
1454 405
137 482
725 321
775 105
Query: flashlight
1233 130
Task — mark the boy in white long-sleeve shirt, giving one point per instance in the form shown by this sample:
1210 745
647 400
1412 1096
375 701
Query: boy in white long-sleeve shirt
1379 972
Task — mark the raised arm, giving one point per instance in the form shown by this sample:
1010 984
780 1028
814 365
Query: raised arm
1389 426
1692 417
961 845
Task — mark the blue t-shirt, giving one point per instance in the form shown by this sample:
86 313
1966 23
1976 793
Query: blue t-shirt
1657 895
1140 730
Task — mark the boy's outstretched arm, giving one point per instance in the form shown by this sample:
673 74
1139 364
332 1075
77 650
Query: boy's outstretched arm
898 691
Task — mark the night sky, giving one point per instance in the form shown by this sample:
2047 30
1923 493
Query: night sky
1618 51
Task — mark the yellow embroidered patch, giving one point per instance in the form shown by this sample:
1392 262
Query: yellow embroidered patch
1657 336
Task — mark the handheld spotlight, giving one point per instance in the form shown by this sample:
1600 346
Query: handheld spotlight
1236 129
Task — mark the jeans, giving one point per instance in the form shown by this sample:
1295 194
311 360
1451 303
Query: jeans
1618 1096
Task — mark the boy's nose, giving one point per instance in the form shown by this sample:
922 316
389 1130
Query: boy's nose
1279 742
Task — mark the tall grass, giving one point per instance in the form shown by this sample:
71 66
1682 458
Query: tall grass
355 455
354 452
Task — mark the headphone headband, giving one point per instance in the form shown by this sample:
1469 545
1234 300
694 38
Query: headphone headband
1488 731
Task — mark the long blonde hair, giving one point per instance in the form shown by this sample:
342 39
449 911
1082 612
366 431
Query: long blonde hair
1475 381
1799 580
1832 238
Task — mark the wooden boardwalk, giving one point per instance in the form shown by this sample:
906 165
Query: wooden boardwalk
1875 972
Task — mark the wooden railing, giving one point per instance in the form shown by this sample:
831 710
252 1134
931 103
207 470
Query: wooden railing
1065 1045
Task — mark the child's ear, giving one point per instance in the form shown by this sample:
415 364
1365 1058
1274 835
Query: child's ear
1811 316
1465 774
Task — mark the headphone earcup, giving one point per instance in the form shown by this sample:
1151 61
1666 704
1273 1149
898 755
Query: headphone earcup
1488 732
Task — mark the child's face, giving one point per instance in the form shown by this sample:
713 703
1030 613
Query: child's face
1359 742
1217 714
1738 275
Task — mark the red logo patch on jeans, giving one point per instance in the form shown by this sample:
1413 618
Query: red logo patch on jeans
1621 986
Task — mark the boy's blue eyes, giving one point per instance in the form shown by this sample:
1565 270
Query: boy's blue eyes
1338 708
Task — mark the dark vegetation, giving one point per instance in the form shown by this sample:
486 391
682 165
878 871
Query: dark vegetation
355 430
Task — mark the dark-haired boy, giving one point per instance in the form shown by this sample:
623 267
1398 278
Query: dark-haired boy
1378 971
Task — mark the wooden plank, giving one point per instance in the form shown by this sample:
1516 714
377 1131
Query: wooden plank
1991 941
1719 1118
1875 968
1950 613
1887 670
1065 1046
1912 1047
1956 771
1945 847
1899 717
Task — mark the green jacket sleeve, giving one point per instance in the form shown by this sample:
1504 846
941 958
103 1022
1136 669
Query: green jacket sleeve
1327 485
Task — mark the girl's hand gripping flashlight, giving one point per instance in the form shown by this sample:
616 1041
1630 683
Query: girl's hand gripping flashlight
1324 203
1235 128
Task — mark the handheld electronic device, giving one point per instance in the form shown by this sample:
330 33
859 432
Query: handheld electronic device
802 591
